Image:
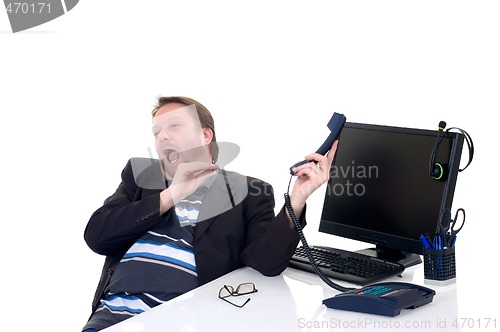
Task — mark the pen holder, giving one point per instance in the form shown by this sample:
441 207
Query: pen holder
439 264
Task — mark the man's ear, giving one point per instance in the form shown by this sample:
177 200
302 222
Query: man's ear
208 135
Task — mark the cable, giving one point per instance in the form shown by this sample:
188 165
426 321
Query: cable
470 145
307 249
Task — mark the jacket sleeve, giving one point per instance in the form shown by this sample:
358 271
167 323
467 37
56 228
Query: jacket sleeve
123 218
270 242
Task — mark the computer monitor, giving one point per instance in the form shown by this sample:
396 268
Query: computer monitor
380 190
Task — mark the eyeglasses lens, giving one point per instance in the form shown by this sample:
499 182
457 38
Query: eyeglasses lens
245 289
226 291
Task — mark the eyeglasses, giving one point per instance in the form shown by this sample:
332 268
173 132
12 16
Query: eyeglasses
242 289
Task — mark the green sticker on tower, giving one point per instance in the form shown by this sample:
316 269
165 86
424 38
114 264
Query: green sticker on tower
24 15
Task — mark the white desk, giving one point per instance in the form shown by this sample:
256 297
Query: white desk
289 302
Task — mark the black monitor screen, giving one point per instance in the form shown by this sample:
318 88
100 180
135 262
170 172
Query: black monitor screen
380 190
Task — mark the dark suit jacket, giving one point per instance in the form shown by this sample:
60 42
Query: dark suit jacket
226 237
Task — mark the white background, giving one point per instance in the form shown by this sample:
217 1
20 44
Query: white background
76 95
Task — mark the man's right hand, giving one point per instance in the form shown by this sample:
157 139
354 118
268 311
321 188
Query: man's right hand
188 177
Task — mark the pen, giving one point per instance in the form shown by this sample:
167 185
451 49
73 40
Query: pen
438 244
426 243
452 240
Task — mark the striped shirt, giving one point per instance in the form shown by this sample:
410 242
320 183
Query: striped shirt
188 209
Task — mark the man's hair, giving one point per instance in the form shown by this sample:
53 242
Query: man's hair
206 119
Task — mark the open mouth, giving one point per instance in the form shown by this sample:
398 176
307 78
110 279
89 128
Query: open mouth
172 156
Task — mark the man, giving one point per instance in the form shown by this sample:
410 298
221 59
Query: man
182 221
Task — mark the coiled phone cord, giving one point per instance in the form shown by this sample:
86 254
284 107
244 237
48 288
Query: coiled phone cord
307 249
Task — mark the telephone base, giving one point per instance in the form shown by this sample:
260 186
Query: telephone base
386 298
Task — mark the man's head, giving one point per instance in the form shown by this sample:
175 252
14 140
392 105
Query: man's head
184 132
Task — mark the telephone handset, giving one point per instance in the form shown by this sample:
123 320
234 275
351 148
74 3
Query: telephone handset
336 124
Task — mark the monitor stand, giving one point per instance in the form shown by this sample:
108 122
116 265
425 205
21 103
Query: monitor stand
407 259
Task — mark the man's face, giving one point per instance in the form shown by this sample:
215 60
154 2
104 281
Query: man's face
179 137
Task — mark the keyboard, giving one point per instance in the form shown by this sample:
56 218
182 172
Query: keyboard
345 265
